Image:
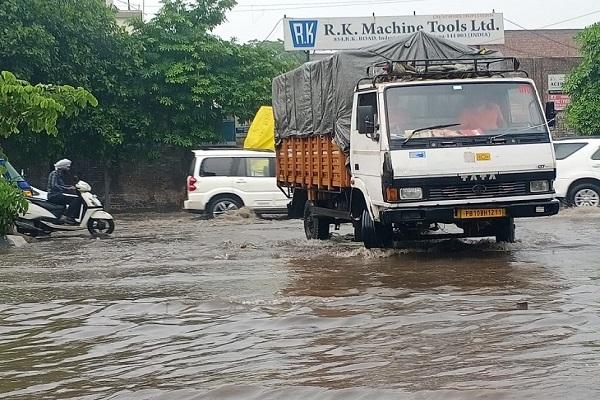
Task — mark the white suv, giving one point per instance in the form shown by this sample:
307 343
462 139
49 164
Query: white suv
578 171
228 179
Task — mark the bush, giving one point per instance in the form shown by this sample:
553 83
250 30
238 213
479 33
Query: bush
12 203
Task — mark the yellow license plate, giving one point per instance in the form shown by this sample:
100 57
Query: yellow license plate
484 156
481 213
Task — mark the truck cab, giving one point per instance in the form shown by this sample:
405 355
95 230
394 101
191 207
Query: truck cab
474 152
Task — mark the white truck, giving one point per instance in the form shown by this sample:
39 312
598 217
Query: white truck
430 142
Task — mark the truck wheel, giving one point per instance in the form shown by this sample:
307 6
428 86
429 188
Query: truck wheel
369 232
505 231
315 227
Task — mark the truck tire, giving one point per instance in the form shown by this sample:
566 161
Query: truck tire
315 227
505 230
374 235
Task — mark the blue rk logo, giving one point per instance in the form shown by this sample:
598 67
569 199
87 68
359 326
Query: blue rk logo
304 33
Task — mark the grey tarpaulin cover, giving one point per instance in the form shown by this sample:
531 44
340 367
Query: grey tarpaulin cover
316 98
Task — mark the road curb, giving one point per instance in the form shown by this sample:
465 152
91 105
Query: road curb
9 241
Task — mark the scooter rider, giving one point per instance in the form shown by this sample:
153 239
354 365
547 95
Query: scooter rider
57 191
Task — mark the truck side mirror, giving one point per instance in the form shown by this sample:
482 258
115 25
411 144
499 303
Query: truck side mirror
550 114
366 119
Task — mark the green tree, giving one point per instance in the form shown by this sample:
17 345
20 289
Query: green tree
37 107
195 79
12 203
293 58
583 85
75 43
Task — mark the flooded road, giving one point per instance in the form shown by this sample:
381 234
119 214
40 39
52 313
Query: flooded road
173 307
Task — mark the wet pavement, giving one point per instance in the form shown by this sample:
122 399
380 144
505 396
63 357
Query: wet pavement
173 307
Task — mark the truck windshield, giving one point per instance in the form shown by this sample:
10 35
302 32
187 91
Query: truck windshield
462 109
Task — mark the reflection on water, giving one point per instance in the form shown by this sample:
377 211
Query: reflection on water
206 309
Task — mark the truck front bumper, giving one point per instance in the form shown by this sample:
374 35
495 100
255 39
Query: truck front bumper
447 214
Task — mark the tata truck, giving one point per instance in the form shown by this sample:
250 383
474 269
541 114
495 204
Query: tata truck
407 138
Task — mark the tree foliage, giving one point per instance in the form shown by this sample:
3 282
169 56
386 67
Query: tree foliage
12 203
37 107
171 82
195 79
76 43
583 85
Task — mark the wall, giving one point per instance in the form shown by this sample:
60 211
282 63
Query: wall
540 43
141 185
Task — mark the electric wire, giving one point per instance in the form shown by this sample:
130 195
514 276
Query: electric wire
570 19
541 35
273 30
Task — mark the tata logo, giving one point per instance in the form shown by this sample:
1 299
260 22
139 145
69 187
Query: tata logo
304 33
478 177
479 189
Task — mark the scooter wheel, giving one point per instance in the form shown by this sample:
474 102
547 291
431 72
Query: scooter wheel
101 226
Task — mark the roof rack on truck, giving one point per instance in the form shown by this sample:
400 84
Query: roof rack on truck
423 69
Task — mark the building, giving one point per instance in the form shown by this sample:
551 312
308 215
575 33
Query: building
548 56
124 16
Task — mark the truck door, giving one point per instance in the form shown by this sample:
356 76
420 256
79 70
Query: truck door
365 149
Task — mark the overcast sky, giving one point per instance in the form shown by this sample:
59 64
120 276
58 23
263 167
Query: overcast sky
255 19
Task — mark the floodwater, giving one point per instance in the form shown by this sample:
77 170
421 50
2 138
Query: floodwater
174 307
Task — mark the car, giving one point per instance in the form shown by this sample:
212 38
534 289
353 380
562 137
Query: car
11 174
222 180
578 171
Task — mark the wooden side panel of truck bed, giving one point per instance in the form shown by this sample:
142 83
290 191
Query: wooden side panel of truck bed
312 163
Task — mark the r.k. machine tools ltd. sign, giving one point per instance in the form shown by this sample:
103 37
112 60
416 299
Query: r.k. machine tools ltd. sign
357 32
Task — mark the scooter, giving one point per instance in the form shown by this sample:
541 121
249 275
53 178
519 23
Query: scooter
43 217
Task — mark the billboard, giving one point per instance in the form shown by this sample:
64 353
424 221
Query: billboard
356 32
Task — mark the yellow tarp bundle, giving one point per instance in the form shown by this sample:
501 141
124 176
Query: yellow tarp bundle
261 134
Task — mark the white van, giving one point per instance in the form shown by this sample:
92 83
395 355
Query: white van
227 179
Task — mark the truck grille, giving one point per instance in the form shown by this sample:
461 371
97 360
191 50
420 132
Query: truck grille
474 190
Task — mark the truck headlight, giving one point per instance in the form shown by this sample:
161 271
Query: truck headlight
539 186
414 193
